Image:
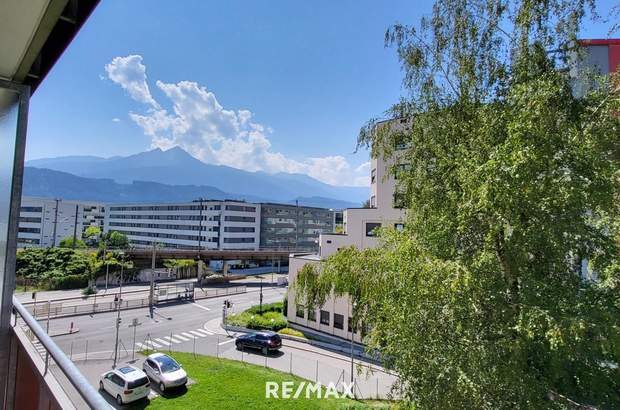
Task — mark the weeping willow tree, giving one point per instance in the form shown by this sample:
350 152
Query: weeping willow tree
503 291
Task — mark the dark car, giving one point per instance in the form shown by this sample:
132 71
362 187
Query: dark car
264 341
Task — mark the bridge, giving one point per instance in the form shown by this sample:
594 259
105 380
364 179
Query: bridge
146 254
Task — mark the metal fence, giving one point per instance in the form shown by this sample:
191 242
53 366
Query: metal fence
370 381
86 306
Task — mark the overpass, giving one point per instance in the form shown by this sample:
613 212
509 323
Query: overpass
145 254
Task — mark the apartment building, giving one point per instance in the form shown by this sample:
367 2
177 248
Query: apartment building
294 227
44 222
359 225
202 224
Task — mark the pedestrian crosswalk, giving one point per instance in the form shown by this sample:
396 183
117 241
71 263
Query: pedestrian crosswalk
154 343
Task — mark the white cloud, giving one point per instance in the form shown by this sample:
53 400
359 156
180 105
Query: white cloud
116 119
199 124
130 73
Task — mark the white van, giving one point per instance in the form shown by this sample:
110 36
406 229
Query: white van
125 384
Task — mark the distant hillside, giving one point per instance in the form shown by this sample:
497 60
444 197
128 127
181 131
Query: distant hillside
56 184
175 167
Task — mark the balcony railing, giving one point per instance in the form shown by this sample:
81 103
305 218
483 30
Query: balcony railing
27 331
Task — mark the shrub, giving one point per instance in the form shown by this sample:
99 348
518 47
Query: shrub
291 332
69 282
268 307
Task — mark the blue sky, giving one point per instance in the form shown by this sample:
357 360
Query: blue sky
270 85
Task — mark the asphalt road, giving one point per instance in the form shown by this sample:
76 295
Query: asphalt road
194 327
180 319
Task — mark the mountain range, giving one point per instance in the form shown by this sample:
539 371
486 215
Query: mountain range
175 175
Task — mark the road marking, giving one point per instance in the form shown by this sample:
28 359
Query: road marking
153 344
140 346
162 342
228 341
180 337
172 339
188 335
206 332
201 307
197 333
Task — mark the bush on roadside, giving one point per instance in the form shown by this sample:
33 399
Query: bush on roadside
69 282
291 332
271 319
267 307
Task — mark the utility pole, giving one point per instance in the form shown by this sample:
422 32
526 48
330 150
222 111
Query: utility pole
200 200
296 223
75 222
55 223
118 310
152 287
261 296
107 265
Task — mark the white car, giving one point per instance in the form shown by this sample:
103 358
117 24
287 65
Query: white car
164 371
125 384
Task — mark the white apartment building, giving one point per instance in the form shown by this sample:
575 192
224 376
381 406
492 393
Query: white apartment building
204 224
44 222
334 317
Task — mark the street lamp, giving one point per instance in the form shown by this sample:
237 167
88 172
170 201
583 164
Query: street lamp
118 309
353 305
152 285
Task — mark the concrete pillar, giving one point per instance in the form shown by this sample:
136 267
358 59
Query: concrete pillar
14 100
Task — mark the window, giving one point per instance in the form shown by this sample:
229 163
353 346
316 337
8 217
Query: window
29 230
350 327
370 228
300 311
312 315
338 321
238 240
239 229
29 219
401 169
373 201
324 317
373 176
233 218
31 209
399 200
399 227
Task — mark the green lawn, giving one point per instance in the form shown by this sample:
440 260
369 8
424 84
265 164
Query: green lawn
228 384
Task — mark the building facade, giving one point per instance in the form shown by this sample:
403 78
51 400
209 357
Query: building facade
204 224
359 225
44 222
294 227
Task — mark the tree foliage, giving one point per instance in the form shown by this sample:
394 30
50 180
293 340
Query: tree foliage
46 267
114 240
68 243
512 187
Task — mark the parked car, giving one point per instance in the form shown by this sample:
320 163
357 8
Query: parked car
164 371
264 341
125 384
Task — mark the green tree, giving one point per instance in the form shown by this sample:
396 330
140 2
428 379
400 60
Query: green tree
91 235
114 240
511 184
68 243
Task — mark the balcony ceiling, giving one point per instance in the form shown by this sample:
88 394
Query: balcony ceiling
34 33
